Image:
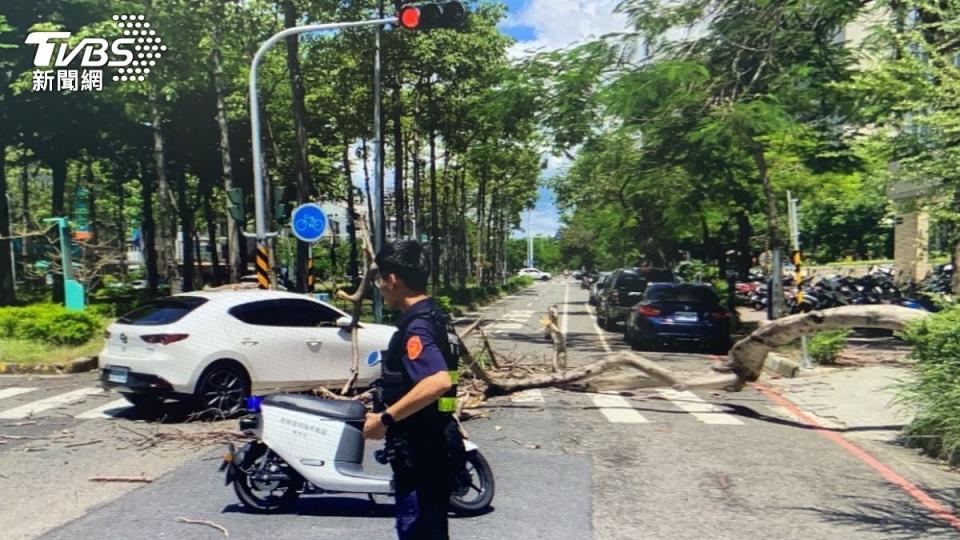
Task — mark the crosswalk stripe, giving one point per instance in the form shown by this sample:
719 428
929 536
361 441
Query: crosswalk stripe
101 411
34 407
618 410
707 413
14 391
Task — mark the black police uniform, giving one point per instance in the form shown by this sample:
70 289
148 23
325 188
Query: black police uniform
425 450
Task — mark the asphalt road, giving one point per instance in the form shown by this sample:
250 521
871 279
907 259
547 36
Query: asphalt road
640 464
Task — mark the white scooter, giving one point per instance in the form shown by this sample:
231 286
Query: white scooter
310 445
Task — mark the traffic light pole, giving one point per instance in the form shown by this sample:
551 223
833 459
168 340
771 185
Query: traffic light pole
261 233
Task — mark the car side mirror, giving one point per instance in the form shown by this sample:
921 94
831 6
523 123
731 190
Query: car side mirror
344 322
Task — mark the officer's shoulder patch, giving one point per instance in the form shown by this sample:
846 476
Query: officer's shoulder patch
414 347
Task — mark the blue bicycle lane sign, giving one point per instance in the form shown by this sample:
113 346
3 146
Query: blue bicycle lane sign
308 222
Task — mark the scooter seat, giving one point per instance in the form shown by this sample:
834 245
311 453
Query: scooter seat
351 411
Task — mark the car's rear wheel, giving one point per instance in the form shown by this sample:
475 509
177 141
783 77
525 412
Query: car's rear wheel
223 389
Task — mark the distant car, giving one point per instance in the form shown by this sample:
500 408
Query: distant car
679 312
534 273
597 287
577 275
623 289
216 348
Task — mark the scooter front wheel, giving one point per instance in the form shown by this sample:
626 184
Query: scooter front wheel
474 497
264 482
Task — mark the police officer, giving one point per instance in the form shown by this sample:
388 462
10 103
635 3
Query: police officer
418 396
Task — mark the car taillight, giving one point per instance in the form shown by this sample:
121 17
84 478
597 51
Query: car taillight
164 339
648 311
720 315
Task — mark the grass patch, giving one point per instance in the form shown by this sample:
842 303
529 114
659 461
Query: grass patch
23 351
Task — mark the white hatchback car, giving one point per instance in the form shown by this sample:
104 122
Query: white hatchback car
217 348
534 273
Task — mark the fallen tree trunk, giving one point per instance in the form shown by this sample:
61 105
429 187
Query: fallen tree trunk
747 356
744 362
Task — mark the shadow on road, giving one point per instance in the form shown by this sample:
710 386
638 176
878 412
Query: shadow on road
890 517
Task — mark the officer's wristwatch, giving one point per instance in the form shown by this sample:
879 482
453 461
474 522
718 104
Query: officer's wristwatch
387 419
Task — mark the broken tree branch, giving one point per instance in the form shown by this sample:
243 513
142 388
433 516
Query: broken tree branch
357 299
747 356
189 521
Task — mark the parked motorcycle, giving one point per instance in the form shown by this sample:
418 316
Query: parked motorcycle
306 445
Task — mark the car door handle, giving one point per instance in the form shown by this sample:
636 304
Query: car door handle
314 342
248 341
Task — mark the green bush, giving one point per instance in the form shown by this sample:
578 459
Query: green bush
825 346
445 303
517 283
49 323
933 393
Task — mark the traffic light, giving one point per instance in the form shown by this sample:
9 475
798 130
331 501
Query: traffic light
279 206
235 204
434 15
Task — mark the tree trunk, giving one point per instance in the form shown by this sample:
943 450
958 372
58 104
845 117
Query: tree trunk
398 158
148 231
354 265
773 230
434 225
92 203
300 126
211 234
417 222
444 205
121 222
464 265
7 290
478 249
25 204
366 183
744 253
235 240
59 167
167 256
186 226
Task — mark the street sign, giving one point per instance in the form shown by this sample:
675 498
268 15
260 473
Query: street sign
308 222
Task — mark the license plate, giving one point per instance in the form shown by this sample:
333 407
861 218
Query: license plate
118 375
685 316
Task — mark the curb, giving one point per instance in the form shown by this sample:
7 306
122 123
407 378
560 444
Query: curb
782 365
77 365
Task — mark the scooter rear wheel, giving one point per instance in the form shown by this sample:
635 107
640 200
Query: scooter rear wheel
265 496
478 494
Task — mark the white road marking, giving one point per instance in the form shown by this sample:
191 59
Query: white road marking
14 391
617 409
59 400
502 327
529 304
603 338
528 396
707 413
103 411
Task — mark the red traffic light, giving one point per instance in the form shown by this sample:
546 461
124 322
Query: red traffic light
432 15
410 17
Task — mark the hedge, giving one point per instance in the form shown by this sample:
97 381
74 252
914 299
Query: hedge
49 323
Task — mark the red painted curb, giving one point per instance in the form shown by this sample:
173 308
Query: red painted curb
887 473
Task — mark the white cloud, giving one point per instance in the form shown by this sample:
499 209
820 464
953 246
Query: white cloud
560 23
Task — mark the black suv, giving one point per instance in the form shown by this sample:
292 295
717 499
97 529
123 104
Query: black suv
624 288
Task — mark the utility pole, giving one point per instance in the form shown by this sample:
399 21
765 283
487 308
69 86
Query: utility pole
794 221
529 238
379 219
